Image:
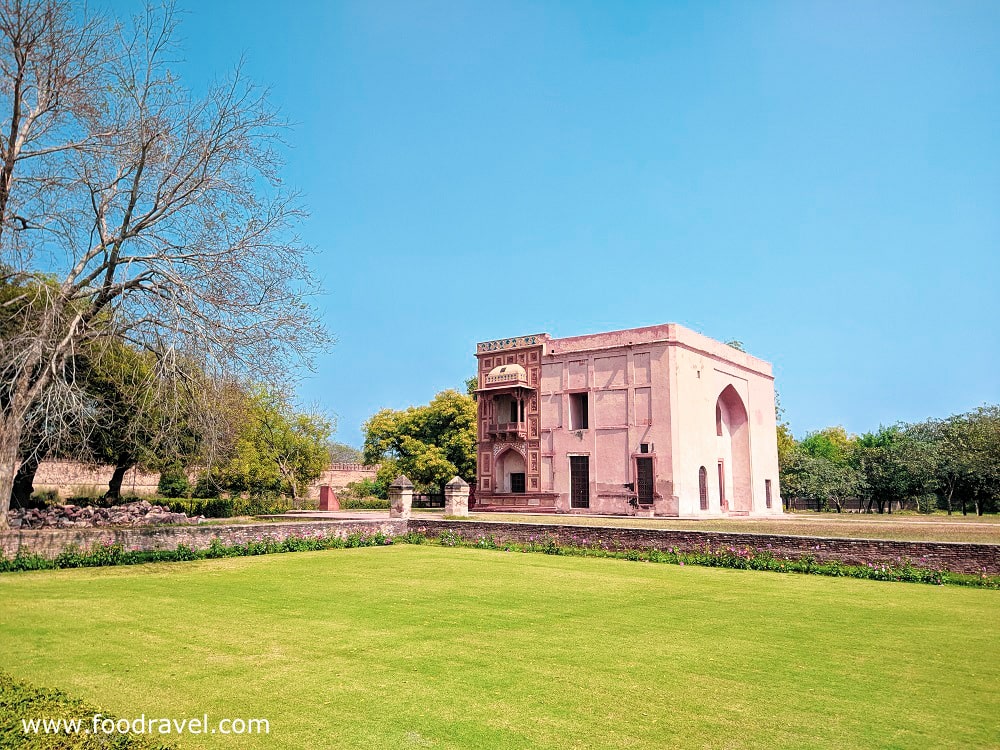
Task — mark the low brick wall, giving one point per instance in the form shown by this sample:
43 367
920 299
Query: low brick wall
955 556
50 542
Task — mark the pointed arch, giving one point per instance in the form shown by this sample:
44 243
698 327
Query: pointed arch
733 430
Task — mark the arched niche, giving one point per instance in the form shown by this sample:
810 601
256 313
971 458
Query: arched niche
509 471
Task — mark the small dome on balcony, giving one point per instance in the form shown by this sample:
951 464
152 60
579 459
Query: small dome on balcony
506 375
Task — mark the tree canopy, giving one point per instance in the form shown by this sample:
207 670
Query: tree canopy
277 449
429 444
133 209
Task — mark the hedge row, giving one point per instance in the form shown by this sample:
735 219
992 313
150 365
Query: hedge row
745 558
22 702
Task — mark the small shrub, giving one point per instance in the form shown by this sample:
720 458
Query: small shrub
363 503
86 495
174 483
19 699
206 486
369 488
42 499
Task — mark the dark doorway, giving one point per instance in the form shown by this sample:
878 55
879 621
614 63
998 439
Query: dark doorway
517 482
644 477
703 487
579 481
723 501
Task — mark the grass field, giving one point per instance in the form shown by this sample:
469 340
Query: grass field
419 646
932 528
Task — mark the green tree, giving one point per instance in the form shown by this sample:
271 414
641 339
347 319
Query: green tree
895 465
430 444
159 213
341 453
814 476
966 457
142 415
832 443
278 449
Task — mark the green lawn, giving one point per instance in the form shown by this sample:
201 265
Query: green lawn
419 646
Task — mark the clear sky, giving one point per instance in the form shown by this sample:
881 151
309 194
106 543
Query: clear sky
820 180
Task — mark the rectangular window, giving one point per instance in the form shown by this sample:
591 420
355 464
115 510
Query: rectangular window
767 492
643 447
722 485
513 412
517 482
579 411
579 481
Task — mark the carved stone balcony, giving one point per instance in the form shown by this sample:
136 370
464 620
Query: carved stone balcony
506 376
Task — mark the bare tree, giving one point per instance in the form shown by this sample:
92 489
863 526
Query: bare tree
133 210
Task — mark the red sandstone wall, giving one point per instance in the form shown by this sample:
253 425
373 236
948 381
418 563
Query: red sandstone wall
339 476
72 478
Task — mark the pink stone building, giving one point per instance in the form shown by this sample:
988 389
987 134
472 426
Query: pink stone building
652 421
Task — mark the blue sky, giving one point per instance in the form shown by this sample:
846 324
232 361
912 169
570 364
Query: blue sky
818 180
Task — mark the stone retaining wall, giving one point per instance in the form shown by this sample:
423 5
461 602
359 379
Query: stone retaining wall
955 556
50 542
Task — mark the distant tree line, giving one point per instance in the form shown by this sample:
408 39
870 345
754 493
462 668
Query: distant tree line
950 464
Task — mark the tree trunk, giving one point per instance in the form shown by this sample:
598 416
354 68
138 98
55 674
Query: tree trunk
24 481
115 485
950 491
10 440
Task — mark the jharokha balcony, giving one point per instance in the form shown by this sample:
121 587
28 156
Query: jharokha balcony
506 376
508 430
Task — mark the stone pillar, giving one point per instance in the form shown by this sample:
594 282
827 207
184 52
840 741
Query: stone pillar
456 497
328 498
400 498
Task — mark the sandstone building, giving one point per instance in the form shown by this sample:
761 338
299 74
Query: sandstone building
653 421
